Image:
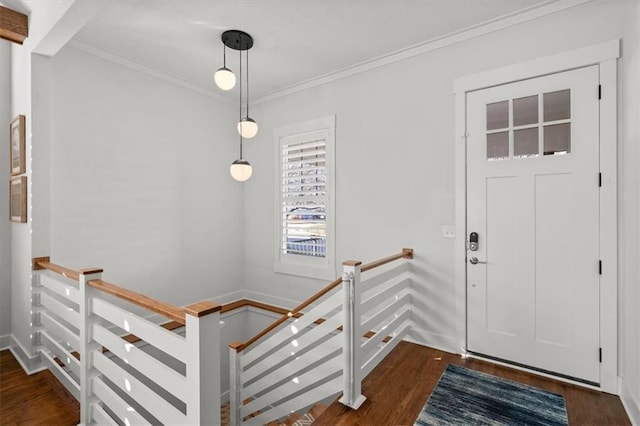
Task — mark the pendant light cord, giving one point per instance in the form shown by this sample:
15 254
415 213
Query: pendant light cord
247 83
240 104
224 55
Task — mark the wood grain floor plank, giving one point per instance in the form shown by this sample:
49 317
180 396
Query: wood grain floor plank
396 392
398 388
38 399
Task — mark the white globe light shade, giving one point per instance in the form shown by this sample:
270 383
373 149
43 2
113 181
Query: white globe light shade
248 128
241 170
225 78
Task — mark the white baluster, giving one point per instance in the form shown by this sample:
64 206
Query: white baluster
235 383
352 330
203 362
87 345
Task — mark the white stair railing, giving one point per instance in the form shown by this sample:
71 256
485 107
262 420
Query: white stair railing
297 365
386 314
130 370
57 323
305 358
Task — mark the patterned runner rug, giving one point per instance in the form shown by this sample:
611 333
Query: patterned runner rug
468 397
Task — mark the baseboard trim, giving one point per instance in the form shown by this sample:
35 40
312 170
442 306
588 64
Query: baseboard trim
630 403
30 364
5 342
440 342
227 298
271 300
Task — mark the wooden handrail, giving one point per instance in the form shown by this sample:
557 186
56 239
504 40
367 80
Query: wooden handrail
407 253
198 309
65 272
290 314
169 311
201 309
40 263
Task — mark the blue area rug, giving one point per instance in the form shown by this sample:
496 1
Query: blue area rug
467 397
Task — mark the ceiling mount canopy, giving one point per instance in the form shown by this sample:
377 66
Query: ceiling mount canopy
237 40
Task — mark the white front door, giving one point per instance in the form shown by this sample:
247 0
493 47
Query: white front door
533 200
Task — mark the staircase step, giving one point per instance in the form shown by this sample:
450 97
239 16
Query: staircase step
225 415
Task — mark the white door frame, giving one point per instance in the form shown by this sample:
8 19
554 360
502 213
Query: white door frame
605 55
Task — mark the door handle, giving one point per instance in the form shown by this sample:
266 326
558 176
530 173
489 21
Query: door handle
474 260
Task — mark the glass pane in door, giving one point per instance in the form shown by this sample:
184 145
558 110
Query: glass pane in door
498 146
557 105
557 139
498 115
525 143
525 111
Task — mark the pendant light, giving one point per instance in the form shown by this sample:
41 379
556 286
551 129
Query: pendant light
247 127
241 169
224 77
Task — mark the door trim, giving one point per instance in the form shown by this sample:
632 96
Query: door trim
604 55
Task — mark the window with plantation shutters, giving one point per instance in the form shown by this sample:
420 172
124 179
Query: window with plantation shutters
304 197
305 193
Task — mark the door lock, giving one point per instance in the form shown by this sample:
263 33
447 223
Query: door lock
473 241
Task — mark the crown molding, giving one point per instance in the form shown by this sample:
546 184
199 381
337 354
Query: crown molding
487 27
92 50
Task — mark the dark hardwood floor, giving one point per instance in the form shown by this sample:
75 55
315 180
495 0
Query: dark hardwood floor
38 399
400 385
396 391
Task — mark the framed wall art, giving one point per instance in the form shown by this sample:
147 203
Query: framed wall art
18 199
17 145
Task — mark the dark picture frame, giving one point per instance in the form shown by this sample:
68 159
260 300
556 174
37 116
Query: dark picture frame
17 137
18 199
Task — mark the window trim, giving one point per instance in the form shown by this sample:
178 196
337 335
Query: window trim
300 265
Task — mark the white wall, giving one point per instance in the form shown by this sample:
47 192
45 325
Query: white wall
630 231
5 227
46 34
21 252
140 182
395 158
157 195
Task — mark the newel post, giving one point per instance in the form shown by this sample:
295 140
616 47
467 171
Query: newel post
203 362
352 331
235 384
87 345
